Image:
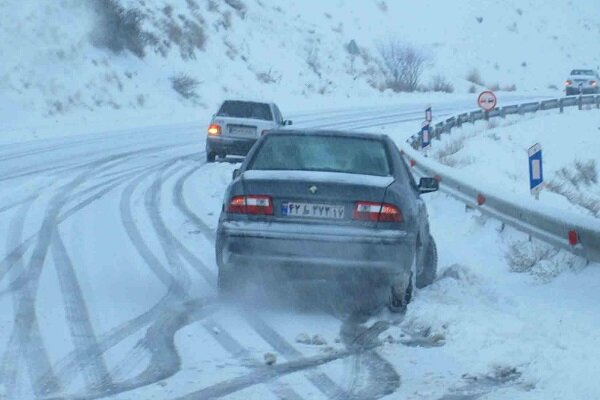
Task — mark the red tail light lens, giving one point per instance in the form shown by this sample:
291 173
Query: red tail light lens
255 205
593 83
377 212
214 129
568 82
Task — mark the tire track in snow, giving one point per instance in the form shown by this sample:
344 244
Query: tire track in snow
67 366
19 249
9 372
26 329
92 365
233 347
31 344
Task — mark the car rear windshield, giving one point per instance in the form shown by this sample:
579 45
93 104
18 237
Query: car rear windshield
582 72
245 109
353 155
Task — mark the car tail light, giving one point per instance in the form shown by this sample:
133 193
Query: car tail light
377 212
256 205
593 83
264 132
568 82
214 129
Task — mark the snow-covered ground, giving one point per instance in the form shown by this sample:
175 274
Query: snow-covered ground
107 290
62 72
495 153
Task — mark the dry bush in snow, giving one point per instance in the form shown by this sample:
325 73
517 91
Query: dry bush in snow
474 77
185 85
575 184
440 84
404 65
118 29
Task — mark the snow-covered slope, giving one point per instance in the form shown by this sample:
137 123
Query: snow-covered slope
74 64
495 152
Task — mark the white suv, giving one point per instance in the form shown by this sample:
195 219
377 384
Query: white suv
237 126
582 81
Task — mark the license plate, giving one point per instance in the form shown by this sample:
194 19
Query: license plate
312 210
240 130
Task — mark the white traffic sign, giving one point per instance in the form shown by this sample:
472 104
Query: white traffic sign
428 114
487 100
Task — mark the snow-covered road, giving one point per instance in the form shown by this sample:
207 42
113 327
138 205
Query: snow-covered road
107 290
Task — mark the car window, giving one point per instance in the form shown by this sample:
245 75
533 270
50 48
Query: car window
322 153
583 72
245 109
278 116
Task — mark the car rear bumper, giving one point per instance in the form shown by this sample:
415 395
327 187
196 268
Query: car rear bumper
229 145
583 90
313 251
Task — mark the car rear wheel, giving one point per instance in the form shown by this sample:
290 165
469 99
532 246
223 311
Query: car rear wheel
399 297
429 267
211 156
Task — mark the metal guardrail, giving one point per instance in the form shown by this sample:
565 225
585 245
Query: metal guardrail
551 225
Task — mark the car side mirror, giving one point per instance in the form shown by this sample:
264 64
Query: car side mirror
428 185
235 174
287 122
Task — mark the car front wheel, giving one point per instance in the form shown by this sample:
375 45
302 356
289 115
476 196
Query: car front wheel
429 267
211 156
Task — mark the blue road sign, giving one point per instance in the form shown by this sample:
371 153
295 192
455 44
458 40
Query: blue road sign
536 172
425 137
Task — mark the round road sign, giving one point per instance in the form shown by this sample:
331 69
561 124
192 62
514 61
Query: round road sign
487 100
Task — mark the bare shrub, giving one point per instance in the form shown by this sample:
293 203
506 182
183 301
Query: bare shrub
494 87
266 77
239 6
509 88
573 182
382 6
403 63
446 154
212 6
440 84
119 29
552 87
226 21
185 85
474 77
188 35
472 89
524 256
312 59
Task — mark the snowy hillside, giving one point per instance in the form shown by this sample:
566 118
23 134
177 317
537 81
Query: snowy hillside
82 65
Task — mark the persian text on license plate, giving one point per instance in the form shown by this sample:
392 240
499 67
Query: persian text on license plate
294 209
238 130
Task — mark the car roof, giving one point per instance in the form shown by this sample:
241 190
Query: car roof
327 132
248 101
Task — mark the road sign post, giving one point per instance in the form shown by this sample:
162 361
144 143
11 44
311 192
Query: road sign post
425 136
487 101
536 173
428 114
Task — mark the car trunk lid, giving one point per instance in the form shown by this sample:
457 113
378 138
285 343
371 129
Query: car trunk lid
316 196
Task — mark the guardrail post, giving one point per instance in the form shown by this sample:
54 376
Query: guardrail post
486 115
597 101
579 102
561 106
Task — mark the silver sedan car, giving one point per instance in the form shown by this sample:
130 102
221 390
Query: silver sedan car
237 126
582 81
321 205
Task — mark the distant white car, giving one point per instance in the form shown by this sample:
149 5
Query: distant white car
582 81
238 125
